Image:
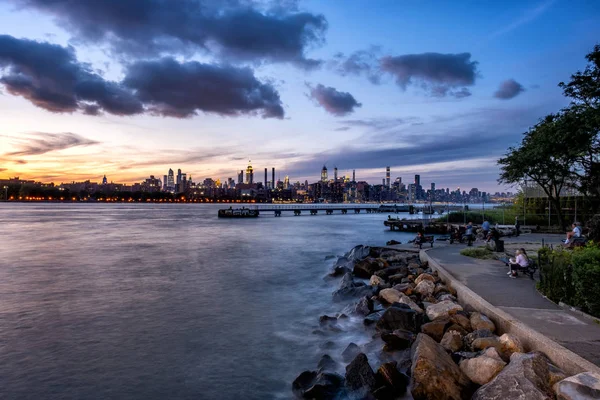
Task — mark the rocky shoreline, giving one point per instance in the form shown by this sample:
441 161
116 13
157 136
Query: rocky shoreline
423 343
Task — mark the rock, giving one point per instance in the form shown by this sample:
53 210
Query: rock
493 353
363 307
510 344
303 381
443 309
452 341
404 299
423 277
376 281
394 270
397 278
461 320
480 321
349 288
484 343
326 363
525 377
583 386
481 333
398 339
358 253
463 355
325 319
556 374
414 265
448 297
313 385
389 376
457 328
359 373
425 288
373 318
433 373
390 295
367 267
440 289
392 242
400 316
340 270
403 287
351 351
435 329
482 369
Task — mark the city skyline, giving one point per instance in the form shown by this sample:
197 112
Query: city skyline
435 89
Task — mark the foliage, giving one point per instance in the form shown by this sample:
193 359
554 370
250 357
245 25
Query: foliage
584 87
586 278
494 216
478 252
555 271
593 226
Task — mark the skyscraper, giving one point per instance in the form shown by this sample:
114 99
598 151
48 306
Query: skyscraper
387 176
265 178
417 180
170 180
241 176
324 174
353 175
165 183
335 174
249 174
273 178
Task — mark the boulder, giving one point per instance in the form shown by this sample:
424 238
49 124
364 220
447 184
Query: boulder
326 319
373 318
480 321
363 307
440 289
556 374
398 339
435 329
443 309
340 270
462 320
351 351
448 297
525 377
389 377
481 333
463 355
349 288
397 278
424 277
493 353
510 344
393 270
452 341
390 295
400 316
404 299
359 373
403 288
484 343
425 288
433 373
367 267
358 253
457 328
313 385
413 265
482 369
326 364
583 386
376 281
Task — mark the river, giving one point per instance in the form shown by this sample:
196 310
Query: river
147 301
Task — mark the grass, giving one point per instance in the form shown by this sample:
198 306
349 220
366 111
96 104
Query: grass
483 253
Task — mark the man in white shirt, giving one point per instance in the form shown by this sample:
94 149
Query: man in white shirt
575 233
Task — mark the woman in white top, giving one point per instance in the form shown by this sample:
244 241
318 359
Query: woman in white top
521 261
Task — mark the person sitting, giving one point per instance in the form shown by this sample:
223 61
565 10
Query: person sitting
485 227
519 262
419 239
575 233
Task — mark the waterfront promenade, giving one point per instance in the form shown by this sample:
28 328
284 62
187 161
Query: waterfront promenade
519 297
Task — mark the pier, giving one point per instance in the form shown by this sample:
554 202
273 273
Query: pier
330 209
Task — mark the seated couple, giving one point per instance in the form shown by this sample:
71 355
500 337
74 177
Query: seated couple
519 262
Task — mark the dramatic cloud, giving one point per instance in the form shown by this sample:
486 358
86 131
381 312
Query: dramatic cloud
508 89
37 143
438 73
50 77
176 89
333 101
361 62
234 29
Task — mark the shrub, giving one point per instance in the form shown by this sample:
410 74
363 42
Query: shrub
555 273
478 252
594 228
586 278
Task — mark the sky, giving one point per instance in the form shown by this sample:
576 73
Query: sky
129 89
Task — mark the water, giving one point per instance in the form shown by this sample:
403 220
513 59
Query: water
110 301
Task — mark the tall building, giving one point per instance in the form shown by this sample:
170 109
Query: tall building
249 174
387 176
273 178
324 174
165 183
417 180
104 180
241 176
335 174
353 175
432 187
171 180
286 182
266 178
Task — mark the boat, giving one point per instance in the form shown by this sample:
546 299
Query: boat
238 213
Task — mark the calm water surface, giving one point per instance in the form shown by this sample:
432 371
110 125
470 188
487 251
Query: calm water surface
167 301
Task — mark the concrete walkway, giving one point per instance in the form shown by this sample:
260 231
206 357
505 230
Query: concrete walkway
519 297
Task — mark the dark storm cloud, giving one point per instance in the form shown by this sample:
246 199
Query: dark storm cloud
508 89
174 89
333 101
50 77
241 30
439 73
42 142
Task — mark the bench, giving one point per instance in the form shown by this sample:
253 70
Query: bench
426 239
576 242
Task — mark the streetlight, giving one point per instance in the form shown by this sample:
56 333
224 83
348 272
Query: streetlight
502 213
5 193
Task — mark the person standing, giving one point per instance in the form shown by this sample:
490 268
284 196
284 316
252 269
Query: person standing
517 226
485 227
469 233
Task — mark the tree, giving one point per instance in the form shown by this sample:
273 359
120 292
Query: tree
544 157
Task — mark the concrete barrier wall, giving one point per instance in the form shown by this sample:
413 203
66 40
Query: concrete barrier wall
562 357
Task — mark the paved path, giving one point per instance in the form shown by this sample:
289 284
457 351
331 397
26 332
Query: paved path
519 297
